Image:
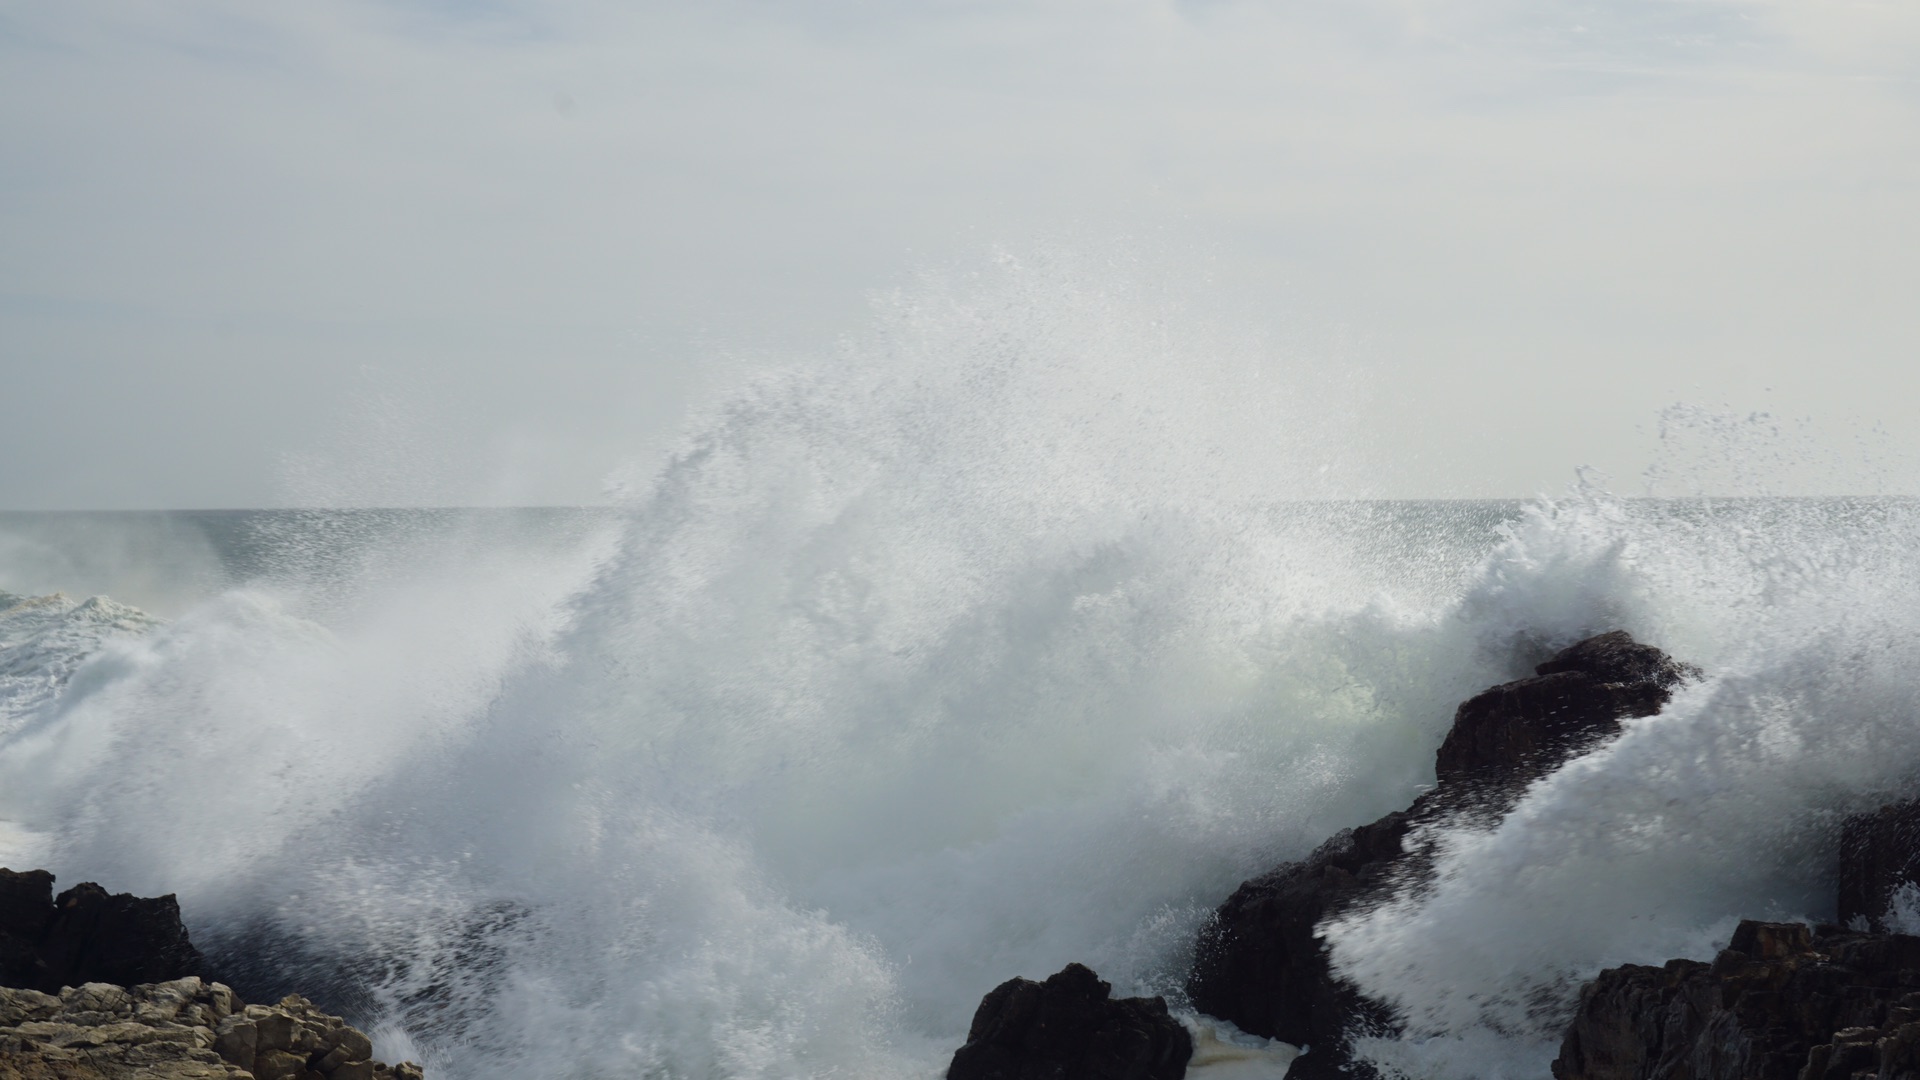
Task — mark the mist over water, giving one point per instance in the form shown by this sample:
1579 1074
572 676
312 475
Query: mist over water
1015 632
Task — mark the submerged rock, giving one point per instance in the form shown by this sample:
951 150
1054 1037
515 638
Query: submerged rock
88 935
1783 1001
1261 962
182 1029
1071 1028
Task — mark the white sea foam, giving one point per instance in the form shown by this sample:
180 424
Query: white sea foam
1724 806
1222 1051
45 639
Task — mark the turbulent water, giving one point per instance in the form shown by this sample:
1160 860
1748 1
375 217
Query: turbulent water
983 648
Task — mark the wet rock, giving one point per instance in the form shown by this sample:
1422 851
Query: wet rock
120 938
1783 1001
88 935
26 907
1519 731
1071 1028
1261 962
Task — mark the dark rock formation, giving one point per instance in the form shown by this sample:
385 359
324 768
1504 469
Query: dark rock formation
88 935
1070 1028
1781 1002
26 908
1261 963
1879 853
1519 731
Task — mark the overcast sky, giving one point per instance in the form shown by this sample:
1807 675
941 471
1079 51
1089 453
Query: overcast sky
242 244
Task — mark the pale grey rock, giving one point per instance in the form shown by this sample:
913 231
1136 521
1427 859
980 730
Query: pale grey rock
185 1029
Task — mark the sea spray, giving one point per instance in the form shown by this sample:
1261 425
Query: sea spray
1017 632
991 644
1723 806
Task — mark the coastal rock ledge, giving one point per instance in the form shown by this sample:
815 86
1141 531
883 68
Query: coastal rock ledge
107 986
1783 1001
185 1029
87 934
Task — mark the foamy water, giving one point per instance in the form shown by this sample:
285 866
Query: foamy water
1014 635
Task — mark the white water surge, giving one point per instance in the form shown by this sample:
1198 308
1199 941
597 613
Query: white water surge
1017 634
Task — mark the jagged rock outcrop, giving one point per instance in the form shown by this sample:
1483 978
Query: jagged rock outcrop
1260 962
1782 1002
88 935
1516 732
1879 855
1071 1028
183 1029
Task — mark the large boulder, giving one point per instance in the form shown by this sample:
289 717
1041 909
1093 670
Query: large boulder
88 935
1261 962
1071 1028
1783 1001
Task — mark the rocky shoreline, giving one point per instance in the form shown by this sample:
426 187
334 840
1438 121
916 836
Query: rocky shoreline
182 1029
1783 1001
103 986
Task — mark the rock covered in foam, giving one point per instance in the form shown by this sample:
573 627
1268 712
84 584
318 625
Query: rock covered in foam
1261 962
45 639
1782 1002
88 935
182 1029
1071 1028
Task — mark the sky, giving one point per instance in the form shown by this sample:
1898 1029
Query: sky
494 251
